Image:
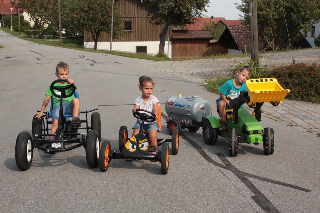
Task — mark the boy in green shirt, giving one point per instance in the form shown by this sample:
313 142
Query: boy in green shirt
70 104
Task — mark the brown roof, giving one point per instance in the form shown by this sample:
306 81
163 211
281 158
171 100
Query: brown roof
241 35
192 34
6 7
199 23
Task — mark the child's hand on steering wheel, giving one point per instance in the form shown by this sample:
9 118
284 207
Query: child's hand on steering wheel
70 81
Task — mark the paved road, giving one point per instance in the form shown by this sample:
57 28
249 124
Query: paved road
201 178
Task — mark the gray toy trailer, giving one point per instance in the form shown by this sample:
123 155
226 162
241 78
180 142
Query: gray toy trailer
186 112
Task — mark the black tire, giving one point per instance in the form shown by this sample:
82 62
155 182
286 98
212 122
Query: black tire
175 141
36 126
165 158
173 123
92 148
210 135
104 156
233 142
193 129
96 123
268 141
123 136
24 151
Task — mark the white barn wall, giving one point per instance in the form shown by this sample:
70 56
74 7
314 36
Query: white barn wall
152 46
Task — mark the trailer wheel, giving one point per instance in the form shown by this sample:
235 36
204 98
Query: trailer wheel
210 135
233 142
165 158
175 141
104 156
123 136
173 123
268 141
24 151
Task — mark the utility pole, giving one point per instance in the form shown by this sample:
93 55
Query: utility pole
18 17
60 34
111 27
11 19
254 31
2 13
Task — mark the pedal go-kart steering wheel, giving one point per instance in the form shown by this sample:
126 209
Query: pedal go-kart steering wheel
62 89
144 115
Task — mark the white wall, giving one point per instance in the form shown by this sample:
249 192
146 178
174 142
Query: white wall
152 46
316 33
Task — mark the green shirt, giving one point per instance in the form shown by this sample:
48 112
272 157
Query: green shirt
56 101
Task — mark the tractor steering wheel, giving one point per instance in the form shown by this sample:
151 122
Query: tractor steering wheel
62 89
144 115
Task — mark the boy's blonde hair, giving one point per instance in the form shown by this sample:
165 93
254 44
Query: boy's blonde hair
246 68
63 66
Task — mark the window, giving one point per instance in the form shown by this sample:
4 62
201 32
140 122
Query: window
141 49
127 26
313 29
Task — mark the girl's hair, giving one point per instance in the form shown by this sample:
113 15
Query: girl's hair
62 65
246 68
143 79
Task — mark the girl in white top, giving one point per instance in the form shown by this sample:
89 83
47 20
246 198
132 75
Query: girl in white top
150 103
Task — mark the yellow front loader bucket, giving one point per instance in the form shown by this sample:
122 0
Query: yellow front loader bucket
265 90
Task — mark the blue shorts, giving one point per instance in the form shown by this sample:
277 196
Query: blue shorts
67 109
147 127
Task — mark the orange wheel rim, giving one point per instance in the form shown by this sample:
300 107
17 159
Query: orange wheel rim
106 157
125 136
167 160
177 140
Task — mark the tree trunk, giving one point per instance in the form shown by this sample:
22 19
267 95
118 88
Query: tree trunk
163 38
95 36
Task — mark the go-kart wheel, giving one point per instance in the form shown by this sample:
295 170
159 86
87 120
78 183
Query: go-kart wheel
104 157
92 148
173 123
62 88
36 126
268 141
233 142
123 136
24 151
210 135
193 129
165 158
96 123
175 140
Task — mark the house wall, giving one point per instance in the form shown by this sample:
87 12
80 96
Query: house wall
152 46
195 48
316 33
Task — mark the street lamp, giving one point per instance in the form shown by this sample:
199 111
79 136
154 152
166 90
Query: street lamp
11 18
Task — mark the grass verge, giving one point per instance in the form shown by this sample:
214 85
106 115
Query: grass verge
213 85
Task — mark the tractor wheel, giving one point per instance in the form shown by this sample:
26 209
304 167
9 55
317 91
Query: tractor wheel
92 148
173 123
233 142
104 156
268 141
210 135
24 151
165 158
36 126
175 140
123 136
96 123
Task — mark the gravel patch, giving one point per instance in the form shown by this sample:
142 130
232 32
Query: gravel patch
199 70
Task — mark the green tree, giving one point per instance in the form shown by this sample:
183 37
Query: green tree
217 28
40 11
173 12
279 22
95 16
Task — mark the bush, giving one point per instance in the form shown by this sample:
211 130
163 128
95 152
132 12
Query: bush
303 81
258 71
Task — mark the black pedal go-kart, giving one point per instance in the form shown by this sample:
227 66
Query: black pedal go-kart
67 136
137 147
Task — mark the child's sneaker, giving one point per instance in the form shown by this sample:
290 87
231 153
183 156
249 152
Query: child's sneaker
223 126
76 121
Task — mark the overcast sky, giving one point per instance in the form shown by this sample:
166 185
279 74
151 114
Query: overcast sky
224 8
